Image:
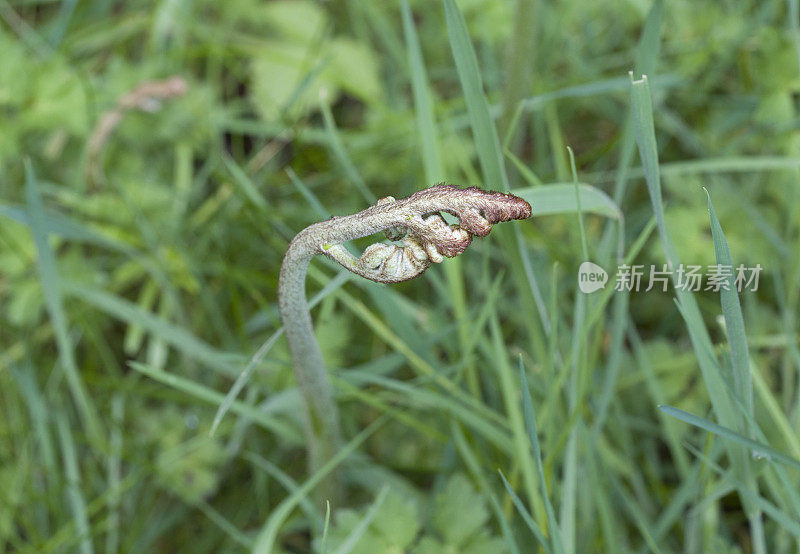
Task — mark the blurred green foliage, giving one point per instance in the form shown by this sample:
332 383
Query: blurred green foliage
453 523
168 232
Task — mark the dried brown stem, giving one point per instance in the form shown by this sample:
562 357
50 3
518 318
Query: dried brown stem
146 97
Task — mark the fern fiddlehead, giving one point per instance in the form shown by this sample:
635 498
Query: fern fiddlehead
424 238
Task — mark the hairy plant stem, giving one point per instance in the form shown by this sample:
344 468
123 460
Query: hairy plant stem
424 238
320 414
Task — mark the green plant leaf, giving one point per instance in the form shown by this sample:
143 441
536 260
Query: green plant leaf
460 511
560 198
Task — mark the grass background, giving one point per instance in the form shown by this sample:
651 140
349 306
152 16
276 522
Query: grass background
147 397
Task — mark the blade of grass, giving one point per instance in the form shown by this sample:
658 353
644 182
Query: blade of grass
226 526
211 396
787 523
287 483
422 367
423 106
732 164
269 532
721 401
476 469
533 435
530 177
246 185
115 472
369 398
578 368
758 449
516 421
740 361
774 410
340 154
645 137
178 337
419 398
38 410
646 57
734 321
640 521
526 517
594 88
72 477
578 209
670 427
536 291
598 307
324 546
490 155
595 478
310 197
677 507
62 226
434 172
520 67
51 289
487 143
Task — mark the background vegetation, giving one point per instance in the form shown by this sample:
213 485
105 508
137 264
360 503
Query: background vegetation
144 221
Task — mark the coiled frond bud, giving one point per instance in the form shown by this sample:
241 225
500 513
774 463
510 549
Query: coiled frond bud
419 233
420 237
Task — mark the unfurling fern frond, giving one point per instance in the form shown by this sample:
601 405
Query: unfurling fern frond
420 237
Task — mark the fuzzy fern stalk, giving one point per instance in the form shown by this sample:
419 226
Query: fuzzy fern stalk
420 236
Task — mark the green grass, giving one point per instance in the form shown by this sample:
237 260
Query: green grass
147 402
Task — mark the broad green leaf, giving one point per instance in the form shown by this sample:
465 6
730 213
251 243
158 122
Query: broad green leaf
397 521
460 511
560 198
298 63
301 21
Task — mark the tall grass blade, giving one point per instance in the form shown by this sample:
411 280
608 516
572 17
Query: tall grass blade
732 312
759 450
210 396
423 105
51 289
269 532
74 493
533 435
526 516
474 466
172 334
340 153
715 381
324 547
516 420
487 143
